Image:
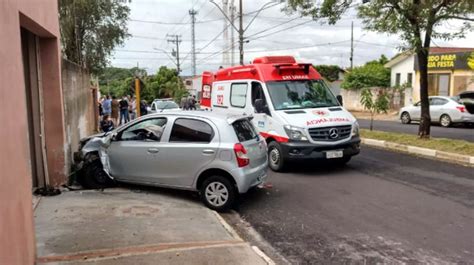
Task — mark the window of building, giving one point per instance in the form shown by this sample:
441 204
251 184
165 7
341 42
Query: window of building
397 79
190 130
438 84
463 83
409 79
238 94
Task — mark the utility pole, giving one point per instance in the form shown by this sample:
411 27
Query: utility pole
225 53
241 34
352 45
193 14
232 39
137 90
175 39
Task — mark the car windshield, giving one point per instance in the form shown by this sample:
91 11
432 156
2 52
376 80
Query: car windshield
300 94
166 105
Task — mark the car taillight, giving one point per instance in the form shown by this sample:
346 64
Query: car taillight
461 108
241 154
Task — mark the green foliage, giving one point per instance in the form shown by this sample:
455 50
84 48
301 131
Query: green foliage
372 74
121 81
379 105
330 72
415 21
91 29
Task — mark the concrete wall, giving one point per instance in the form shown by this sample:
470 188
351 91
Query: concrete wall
78 107
351 98
17 244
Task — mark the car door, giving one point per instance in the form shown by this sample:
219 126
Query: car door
192 144
437 108
134 156
261 119
415 111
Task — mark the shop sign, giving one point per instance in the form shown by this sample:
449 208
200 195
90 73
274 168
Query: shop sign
450 61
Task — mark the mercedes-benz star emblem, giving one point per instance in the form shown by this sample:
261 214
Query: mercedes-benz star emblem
333 133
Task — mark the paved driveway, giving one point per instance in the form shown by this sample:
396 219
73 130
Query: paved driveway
382 208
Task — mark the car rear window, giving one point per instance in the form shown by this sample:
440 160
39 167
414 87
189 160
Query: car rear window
244 130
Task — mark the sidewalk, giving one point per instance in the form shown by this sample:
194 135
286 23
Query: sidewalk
120 226
391 116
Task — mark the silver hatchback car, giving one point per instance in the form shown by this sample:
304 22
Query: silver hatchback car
216 154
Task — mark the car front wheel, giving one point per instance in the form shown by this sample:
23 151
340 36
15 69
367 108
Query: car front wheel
445 120
405 118
218 193
93 175
275 157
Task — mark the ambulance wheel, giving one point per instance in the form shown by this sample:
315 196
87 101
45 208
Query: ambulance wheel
275 157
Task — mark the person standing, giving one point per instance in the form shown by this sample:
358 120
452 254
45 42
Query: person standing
115 110
107 106
124 118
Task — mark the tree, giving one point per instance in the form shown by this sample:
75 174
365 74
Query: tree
381 103
91 29
330 72
417 22
165 84
372 74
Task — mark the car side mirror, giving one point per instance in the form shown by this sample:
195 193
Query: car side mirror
339 98
260 107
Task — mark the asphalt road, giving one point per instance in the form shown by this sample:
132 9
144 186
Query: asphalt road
383 207
460 133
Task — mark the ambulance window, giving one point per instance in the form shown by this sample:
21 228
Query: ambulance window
257 92
238 94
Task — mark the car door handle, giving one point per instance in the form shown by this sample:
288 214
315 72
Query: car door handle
153 150
208 151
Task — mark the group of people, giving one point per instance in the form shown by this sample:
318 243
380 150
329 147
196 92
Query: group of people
118 111
188 103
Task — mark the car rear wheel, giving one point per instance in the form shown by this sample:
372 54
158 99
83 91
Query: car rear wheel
405 118
93 175
275 157
445 120
218 193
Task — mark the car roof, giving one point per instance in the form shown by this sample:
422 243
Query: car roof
218 115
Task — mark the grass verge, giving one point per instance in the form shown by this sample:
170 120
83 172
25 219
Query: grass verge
442 144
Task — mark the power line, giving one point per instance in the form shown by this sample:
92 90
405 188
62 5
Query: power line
278 31
175 23
272 27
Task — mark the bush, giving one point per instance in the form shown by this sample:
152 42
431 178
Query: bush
372 74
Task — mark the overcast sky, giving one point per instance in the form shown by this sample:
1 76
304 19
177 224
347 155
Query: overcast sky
273 32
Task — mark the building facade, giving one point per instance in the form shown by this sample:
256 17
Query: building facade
31 113
450 71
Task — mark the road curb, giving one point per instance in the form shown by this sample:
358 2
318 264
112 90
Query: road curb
420 151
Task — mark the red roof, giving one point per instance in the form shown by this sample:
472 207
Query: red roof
449 49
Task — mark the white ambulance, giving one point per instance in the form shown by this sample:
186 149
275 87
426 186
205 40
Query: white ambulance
292 107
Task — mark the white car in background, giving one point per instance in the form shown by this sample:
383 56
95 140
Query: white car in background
163 106
443 110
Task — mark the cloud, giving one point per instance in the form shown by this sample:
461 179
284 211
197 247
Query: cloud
308 41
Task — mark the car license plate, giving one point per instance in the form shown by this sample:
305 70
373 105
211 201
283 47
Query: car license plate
334 154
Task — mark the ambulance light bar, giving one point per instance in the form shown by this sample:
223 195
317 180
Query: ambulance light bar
293 66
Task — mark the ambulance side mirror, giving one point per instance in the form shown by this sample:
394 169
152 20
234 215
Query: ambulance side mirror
260 107
339 98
